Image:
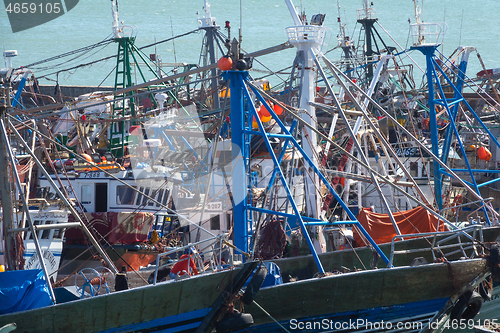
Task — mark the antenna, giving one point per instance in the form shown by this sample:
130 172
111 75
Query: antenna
418 12
461 25
241 24
208 20
116 20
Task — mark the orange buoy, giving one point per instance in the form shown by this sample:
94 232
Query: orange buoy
254 123
265 119
263 110
278 109
87 157
484 154
225 63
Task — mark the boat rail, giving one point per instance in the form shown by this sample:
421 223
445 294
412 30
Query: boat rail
366 13
439 245
310 34
427 34
484 203
125 31
217 239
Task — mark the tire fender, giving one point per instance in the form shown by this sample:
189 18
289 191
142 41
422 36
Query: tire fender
254 285
467 307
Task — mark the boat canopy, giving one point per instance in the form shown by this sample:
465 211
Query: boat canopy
381 229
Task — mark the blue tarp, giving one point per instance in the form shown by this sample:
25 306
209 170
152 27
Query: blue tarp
273 277
23 290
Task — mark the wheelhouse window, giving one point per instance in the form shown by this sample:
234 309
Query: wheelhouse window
58 233
125 195
86 197
139 196
46 232
215 222
159 197
414 169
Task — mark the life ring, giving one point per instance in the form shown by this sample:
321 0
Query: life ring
457 202
467 307
254 285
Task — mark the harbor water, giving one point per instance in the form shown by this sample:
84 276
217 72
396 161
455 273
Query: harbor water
262 23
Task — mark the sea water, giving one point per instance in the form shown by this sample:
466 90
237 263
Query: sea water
262 24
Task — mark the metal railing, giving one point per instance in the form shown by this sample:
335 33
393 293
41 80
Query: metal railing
366 13
439 245
427 33
125 31
311 34
457 207
217 239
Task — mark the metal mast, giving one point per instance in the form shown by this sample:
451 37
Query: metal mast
208 24
308 39
426 38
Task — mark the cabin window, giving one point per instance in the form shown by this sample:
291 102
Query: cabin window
58 233
125 195
139 196
215 222
37 222
165 197
414 169
159 197
27 234
427 167
86 197
46 232
228 221
153 195
146 194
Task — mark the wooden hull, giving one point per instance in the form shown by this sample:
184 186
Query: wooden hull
175 306
304 267
396 294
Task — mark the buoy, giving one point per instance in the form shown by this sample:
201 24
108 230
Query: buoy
87 157
225 63
2 268
254 123
263 110
278 109
484 154
265 119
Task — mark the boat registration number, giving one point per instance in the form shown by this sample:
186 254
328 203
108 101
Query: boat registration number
92 174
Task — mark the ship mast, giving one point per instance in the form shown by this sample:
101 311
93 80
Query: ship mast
208 24
308 39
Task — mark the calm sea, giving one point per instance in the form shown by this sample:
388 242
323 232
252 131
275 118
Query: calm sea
470 23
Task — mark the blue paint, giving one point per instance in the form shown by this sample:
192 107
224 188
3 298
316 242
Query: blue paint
411 312
242 221
177 323
31 254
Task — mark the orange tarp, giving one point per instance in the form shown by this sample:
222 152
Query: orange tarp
381 229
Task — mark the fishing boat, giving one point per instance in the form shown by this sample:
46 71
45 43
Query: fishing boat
310 300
